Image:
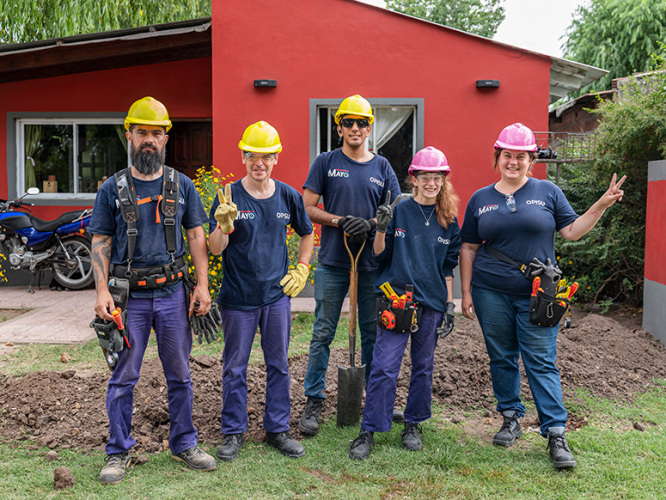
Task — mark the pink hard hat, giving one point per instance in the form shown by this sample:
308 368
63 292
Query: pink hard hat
429 160
517 137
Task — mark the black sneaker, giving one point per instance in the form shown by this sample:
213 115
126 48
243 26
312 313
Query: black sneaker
411 436
285 444
560 452
398 416
509 432
360 447
309 422
195 458
114 470
230 447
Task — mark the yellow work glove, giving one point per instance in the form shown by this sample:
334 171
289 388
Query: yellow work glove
294 281
227 211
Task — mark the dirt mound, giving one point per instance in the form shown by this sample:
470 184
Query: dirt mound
67 409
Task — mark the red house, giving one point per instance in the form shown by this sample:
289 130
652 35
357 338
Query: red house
63 101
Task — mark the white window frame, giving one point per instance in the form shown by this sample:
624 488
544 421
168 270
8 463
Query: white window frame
74 122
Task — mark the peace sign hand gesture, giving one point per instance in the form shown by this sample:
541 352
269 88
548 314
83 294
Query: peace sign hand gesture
385 212
614 192
227 211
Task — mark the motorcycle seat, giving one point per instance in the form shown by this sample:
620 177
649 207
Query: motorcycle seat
44 226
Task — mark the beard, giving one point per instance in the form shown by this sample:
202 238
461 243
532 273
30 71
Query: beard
148 161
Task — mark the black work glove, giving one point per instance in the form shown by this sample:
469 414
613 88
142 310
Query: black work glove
206 326
447 324
356 226
385 212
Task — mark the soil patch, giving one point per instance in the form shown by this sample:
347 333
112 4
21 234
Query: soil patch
610 358
7 314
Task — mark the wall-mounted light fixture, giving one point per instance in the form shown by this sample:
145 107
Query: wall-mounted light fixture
484 84
265 83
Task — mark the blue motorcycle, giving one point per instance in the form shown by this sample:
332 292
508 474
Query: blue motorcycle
35 245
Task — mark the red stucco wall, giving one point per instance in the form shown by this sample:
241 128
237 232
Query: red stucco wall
655 236
184 87
334 48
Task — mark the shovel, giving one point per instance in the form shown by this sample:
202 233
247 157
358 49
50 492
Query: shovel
352 379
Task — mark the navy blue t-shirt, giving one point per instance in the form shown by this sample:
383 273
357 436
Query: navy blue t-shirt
151 250
541 209
256 258
418 254
349 188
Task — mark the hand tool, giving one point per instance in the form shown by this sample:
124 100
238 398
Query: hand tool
117 317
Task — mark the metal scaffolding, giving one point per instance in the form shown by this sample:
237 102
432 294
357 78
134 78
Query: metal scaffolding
565 147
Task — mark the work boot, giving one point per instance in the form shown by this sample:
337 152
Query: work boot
510 430
398 416
114 470
309 422
360 447
195 458
559 450
285 444
230 447
411 437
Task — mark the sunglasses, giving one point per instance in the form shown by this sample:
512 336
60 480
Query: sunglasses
426 178
349 122
255 157
510 202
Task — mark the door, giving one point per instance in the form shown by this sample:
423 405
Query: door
190 147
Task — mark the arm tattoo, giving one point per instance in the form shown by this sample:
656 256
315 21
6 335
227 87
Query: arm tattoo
101 257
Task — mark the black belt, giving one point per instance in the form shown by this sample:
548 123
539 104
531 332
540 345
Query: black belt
152 277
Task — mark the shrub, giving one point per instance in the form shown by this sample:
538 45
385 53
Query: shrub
632 132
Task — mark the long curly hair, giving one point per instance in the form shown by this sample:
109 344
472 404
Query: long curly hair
446 204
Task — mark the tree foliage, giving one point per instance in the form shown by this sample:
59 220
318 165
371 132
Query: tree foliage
481 17
617 35
632 132
24 21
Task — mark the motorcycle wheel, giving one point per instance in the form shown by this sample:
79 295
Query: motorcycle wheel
77 273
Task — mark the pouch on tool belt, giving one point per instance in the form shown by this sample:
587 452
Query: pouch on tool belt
546 310
110 338
406 320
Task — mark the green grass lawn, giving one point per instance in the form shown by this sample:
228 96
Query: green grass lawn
615 461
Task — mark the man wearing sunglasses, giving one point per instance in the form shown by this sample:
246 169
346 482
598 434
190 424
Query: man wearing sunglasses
353 183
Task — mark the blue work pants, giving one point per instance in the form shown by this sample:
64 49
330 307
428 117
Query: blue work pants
240 328
381 388
508 333
330 287
168 317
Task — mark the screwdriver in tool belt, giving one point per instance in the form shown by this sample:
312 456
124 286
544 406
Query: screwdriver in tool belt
119 321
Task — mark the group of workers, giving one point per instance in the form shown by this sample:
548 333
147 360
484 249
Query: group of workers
413 245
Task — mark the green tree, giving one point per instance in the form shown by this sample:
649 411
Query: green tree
617 35
481 17
24 21
609 260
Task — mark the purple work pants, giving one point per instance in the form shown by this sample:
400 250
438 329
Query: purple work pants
386 361
168 317
240 328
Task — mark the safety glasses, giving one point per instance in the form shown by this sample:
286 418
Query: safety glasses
426 178
253 157
349 122
510 202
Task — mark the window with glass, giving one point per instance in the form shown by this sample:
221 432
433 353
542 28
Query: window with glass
393 135
69 157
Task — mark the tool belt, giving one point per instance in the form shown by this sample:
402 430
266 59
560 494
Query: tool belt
111 339
395 319
545 309
146 278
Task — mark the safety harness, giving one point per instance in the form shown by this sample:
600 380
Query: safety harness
167 203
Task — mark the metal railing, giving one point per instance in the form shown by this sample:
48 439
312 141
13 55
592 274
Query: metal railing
565 147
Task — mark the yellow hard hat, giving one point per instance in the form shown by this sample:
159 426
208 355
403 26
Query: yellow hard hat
354 105
148 111
260 137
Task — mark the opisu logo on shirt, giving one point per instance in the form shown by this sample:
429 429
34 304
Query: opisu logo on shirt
443 241
245 214
488 208
399 233
283 215
338 172
536 202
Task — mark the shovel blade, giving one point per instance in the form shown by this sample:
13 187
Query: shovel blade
350 394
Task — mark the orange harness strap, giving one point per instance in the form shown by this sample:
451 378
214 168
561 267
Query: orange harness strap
158 199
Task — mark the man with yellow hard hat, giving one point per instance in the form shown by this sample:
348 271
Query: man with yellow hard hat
138 247
353 183
251 233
